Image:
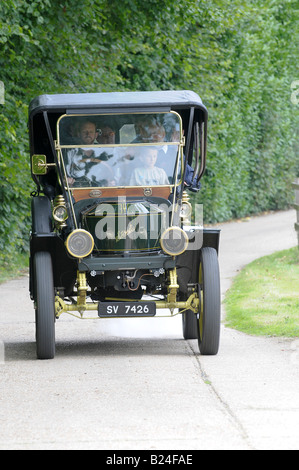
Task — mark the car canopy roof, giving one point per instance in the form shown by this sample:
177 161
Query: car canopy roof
116 101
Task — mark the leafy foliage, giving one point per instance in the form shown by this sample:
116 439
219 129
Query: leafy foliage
240 57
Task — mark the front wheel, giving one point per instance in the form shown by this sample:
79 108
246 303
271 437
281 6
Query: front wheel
45 305
208 323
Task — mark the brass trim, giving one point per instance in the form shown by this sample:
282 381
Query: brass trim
147 191
95 193
192 303
184 235
180 143
71 235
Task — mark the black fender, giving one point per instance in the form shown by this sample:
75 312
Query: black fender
187 263
41 215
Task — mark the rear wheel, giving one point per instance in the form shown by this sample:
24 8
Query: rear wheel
208 322
45 305
189 321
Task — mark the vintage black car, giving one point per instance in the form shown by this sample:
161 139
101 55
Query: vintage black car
113 229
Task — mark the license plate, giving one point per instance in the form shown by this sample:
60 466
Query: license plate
126 309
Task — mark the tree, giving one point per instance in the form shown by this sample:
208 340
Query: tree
240 58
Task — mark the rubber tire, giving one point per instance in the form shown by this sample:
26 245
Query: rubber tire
45 306
189 322
41 215
208 322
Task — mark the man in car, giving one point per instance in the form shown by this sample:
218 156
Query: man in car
78 157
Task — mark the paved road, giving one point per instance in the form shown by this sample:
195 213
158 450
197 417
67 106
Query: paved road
139 385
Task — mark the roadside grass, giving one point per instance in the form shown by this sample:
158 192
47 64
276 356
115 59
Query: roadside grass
264 297
14 268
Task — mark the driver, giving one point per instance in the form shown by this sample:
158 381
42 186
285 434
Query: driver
77 158
98 171
81 162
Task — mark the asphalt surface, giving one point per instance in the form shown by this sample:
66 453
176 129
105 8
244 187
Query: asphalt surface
136 384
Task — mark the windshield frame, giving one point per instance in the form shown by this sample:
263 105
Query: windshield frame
178 142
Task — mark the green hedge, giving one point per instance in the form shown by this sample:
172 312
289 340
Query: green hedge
240 57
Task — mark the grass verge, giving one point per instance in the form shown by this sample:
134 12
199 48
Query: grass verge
264 297
12 269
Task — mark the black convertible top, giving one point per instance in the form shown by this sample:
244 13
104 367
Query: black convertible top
105 102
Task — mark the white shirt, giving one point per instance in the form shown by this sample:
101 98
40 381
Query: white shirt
148 177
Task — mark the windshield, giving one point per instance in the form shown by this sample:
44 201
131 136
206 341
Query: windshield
120 150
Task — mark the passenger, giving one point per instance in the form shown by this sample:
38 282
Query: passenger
149 130
106 135
147 174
